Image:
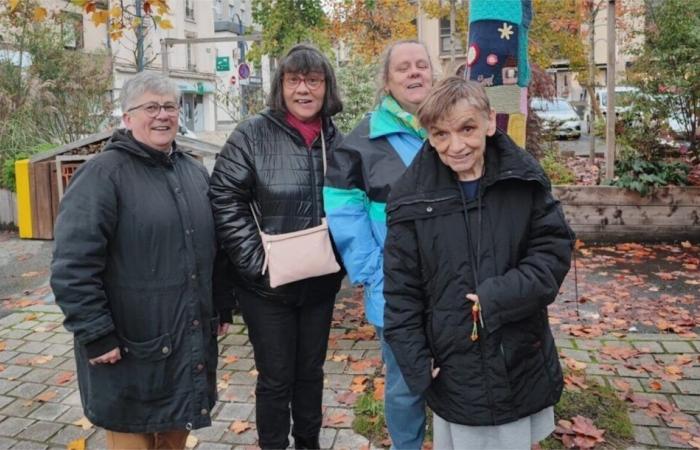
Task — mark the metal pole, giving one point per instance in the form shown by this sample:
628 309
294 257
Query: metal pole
610 132
164 56
591 89
139 37
453 15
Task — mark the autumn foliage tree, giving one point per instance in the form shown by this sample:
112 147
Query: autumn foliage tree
366 27
285 23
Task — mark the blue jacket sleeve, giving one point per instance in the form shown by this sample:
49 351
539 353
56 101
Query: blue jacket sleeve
347 211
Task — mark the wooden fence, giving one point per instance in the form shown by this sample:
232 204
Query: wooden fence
8 209
607 213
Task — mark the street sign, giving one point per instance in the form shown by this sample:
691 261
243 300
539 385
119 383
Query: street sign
223 64
243 71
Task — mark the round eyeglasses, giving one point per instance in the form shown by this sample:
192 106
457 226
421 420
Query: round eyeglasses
152 109
312 82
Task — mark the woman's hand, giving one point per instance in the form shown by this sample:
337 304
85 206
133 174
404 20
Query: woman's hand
110 357
434 371
223 329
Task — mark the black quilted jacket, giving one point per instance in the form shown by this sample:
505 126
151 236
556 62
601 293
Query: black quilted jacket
522 247
266 161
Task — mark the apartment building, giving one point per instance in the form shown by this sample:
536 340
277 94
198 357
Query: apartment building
192 65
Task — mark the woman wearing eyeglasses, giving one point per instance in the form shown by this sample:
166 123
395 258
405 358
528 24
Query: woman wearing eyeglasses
132 272
273 164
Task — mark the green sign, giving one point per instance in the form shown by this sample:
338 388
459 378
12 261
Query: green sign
200 88
223 64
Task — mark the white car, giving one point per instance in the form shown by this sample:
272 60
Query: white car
558 117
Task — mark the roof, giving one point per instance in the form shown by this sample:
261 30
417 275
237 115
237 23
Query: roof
187 144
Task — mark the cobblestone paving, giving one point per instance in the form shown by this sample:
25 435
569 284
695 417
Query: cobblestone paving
40 404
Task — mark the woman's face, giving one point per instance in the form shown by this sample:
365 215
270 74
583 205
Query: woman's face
410 76
153 120
459 137
303 94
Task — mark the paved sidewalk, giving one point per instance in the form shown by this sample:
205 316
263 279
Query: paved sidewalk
40 404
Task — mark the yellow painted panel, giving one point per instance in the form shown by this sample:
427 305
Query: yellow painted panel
516 128
24 203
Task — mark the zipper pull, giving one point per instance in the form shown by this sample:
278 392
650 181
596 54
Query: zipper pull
477 319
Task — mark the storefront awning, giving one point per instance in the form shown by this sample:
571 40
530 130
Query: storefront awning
199 87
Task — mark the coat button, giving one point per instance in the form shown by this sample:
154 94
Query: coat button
177 189
194 276
200 366
195 323
429 209
165 350
204 411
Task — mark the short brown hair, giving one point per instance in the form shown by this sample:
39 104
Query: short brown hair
445 96
304 58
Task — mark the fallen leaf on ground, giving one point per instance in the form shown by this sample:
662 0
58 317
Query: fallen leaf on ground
574 365
29 274
239 426
347 398
191 442
78 444
84 423
46 396
378 388
339 358
64 378
655 385
30 316
622 385
359 384
231 359
336 419
575 383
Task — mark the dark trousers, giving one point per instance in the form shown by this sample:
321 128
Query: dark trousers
290 343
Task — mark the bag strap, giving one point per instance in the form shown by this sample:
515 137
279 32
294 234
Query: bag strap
323 151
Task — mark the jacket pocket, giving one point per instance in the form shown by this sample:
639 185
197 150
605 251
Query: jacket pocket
147 376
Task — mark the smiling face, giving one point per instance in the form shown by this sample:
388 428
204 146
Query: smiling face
410 75
459 137
157 132
303 94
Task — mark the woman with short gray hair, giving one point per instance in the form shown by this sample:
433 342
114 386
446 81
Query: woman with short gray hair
132 272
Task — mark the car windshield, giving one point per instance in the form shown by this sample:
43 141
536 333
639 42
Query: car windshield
550 105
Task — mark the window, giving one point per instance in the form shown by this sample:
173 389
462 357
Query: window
231 10
218 9
191 62
445 38
72 30
189 10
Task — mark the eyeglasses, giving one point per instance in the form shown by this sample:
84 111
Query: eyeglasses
292 81
152 109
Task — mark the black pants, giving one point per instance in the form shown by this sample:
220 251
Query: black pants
290 344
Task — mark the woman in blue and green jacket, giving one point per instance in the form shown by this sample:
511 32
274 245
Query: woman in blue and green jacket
374 155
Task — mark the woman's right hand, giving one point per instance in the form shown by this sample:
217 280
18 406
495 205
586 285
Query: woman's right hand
434 371
110 357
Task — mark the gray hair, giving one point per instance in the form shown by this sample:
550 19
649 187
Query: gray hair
143 82
446 94
385 62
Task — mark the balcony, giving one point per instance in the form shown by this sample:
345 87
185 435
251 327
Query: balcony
229 25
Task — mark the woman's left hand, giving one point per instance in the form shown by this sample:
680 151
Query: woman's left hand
473 297
223 329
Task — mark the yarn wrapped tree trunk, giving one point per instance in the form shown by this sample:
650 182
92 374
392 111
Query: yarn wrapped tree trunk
497 58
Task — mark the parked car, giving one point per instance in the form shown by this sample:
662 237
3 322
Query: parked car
558 117
624 98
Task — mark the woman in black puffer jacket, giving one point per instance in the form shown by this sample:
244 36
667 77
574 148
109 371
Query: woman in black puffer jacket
477 248
274 162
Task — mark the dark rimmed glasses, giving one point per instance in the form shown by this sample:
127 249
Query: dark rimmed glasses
152 109
312 82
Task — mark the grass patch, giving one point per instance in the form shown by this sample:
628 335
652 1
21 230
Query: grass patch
369 418
601 404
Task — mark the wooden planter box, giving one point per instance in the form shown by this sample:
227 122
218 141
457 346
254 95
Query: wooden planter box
606 213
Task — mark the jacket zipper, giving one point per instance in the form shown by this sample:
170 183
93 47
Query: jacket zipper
413 202
314 201
489 391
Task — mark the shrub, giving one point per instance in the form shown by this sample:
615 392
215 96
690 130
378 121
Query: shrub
643 176
555 169
7 176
